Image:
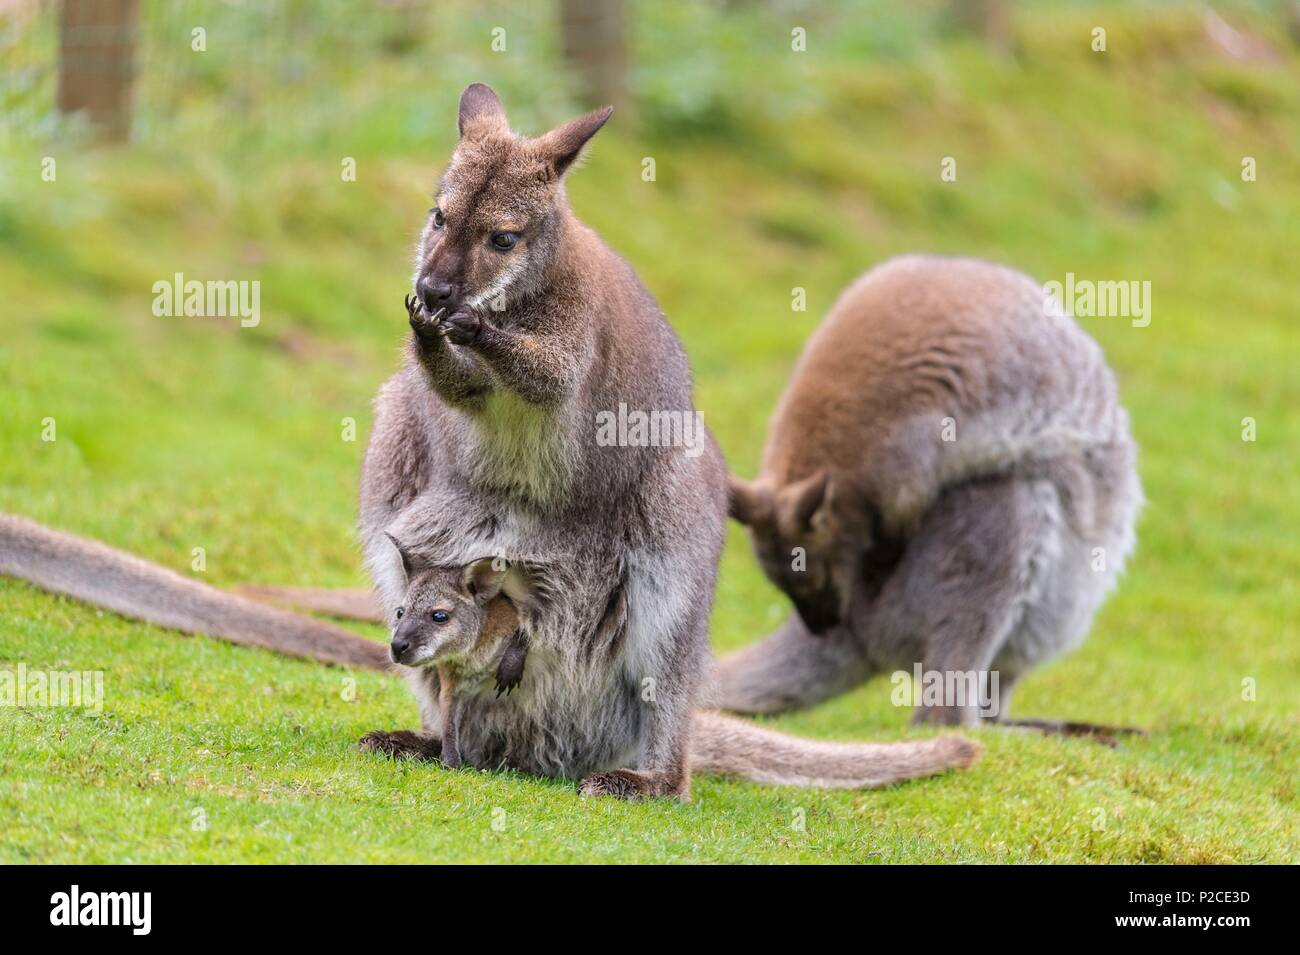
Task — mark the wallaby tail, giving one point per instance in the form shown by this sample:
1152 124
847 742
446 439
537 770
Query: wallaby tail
731 747
100 575
348 603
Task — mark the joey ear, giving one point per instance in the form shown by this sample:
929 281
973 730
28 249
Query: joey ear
750 502
798 502
408 562
480 112
561 146
484 578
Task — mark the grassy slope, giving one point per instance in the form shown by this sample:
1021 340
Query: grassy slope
178 433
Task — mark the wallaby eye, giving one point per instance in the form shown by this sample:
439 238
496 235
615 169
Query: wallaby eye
439 220
400 611
505 241
440 616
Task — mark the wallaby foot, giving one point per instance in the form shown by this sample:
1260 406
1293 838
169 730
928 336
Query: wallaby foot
1100 733
632 785
451 757
401 744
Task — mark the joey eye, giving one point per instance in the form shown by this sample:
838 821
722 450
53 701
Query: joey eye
400 611
504 241
439 220
440 616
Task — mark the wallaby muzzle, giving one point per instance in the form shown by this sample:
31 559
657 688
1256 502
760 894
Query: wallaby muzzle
437 294
407 642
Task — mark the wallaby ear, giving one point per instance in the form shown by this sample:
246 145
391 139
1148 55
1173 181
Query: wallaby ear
408 562
750 502
480 112
560 147
484 578
800 501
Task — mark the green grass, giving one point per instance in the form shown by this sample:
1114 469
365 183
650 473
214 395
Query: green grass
181 433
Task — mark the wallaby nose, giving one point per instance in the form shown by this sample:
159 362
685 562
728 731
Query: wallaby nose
399 647
435 294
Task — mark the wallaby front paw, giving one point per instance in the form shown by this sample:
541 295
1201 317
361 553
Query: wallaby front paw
422 323
461 328
400 744
510 671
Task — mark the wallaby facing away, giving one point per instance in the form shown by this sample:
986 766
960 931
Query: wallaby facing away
467 626
952 457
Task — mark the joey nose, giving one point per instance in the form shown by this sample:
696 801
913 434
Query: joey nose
435 294
399 647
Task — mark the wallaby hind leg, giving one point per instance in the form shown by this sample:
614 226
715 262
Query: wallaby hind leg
960 590
349 603
791 669
1074 585
663 762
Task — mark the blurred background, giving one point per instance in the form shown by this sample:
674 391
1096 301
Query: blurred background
759 147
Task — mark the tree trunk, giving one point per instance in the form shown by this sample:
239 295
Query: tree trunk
97 62
594 34
990 20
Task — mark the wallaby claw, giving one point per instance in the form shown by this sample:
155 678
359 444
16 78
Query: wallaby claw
422 322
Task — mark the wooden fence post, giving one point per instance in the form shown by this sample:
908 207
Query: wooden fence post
594 34
97 62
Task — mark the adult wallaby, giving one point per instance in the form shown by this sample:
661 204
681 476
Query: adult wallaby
525 328
948 479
